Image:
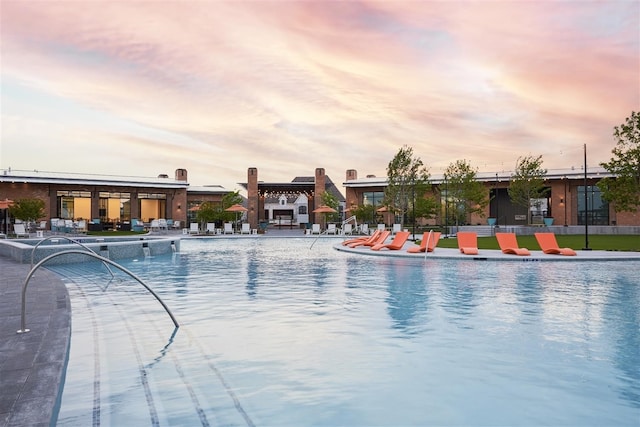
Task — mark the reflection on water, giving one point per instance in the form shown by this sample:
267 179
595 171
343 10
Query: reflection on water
300 334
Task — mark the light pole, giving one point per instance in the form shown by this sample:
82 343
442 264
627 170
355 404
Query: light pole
586 204
446 208
497 202
413 205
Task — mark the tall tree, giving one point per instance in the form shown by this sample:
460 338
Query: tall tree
28 210
332 201
527 183
215 212
623 190
465 194
407 179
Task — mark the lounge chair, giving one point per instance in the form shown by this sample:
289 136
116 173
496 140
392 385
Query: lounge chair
246 228
468 242
364 229
315 229
347 229
155 225
509 244
430 238
228 228
372 242
549 245
137 225
396 244
193 228
331 229
211 228
382 227
19 230
362 238
396 229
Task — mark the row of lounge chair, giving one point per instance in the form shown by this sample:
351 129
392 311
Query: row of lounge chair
508 242
377 240
467 243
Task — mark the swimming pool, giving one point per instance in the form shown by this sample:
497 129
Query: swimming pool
274 333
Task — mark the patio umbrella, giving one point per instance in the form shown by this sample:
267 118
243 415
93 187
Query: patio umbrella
324 209
236 208
195 208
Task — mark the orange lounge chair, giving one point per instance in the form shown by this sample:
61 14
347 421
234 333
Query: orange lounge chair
361 238
428 237
398 242
549 245
468 242
509 244
380 239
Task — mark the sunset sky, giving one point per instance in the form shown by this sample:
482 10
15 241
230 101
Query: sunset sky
145 87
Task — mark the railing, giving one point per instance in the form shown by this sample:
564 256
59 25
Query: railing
23 321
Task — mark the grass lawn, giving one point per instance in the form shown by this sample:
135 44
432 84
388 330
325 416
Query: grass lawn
606 242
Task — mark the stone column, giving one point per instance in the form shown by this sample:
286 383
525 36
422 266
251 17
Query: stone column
351 196
320 187
252 197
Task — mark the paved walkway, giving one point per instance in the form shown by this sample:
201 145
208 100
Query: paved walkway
31 364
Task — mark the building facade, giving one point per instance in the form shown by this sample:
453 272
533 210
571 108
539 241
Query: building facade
573 198
109 200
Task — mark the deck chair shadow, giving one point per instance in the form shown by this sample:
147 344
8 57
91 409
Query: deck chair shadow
382 236
429 242
468 242
509 244
549 245
396 244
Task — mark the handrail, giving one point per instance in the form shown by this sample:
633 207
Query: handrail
33 251
23 321
346 221
426 246
316 239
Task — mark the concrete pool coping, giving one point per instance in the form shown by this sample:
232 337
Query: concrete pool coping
32 365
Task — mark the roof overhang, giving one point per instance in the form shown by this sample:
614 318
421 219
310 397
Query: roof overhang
37 177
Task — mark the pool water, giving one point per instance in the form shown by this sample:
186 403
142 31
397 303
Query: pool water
276 333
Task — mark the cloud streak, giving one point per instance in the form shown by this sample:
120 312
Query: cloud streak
217 87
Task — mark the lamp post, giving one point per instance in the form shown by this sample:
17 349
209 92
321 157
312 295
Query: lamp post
497 202
446 208
564 201
413 206
586 204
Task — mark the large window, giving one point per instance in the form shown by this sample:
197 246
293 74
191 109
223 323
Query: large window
73 204
596 209
152 206
372 198
114 206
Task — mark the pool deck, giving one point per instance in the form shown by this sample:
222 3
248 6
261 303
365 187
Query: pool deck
32 364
